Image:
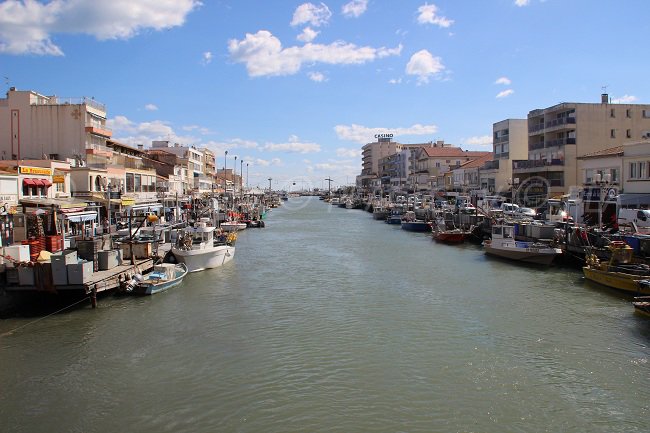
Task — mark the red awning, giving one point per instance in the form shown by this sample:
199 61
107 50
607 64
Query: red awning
38 182
29 182
46 183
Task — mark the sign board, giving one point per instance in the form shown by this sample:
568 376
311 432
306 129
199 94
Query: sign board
36 170
58 178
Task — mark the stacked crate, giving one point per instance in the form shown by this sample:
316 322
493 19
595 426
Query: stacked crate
87 249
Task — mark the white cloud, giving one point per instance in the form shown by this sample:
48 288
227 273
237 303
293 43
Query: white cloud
625 99
354 9
206 58
395 81
424 65
327 166
483 140
276 161
263 54
307 35
28 26
261 162
505 93
503 80
428 15
521 3
363 134
348 153
293 145
317 76
312 14
151 107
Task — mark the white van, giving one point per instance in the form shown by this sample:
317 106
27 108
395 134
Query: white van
640 217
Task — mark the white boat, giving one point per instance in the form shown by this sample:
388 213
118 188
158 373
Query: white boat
198 249
503 244
232 226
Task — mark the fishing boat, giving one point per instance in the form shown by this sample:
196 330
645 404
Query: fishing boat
197 248
164 276
411 224
233 226
395 215
503 244
379 213
619 272
453 236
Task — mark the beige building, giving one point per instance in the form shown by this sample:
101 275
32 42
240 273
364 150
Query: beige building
559 135
636 167
50 127
509 143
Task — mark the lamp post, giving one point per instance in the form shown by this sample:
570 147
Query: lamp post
234 179
603 184
246 175
241 178
225 164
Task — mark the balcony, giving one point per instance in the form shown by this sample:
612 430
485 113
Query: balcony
535 146
502 139
98 129
560 123
98 150
560 142
524 164
536 128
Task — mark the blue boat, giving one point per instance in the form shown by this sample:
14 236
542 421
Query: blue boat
164 276
410 223
395 216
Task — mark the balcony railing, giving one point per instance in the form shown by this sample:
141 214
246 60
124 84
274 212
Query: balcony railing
502 139
57 100
560 142
561 121
491 165
534 146
537 163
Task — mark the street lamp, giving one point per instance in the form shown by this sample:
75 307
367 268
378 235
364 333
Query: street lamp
241 179
246 175
603 185
225 163
234 180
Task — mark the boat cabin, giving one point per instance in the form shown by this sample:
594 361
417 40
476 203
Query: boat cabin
503 232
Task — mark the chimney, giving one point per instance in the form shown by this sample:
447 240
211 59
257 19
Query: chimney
604 98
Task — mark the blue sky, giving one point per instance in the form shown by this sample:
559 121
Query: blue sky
296 88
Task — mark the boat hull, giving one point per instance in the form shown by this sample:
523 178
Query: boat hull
616 280
232 227
208 258
527 255
416 226
450 237
380 215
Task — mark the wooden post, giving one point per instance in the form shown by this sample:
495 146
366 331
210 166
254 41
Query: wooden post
93 296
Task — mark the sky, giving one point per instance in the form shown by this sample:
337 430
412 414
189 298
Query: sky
295 89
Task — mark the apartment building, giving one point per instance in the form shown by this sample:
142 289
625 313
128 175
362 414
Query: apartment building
433 162
509 143
51 127
559 135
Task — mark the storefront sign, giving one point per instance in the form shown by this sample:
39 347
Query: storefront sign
383 135
128 201
36 170
58 179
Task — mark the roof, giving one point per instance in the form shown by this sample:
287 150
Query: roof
452 152
478 162
612 151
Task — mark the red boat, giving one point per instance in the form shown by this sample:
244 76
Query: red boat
455 236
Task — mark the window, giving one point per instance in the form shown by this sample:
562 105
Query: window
129 182
646 114
612 113
628 113
137 183
628 133
638 170
612 133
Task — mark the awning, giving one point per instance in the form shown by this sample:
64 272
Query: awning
78 217
30 182
46 183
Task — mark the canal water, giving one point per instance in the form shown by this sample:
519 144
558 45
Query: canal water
329 321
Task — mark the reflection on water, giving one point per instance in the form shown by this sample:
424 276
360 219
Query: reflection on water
327 320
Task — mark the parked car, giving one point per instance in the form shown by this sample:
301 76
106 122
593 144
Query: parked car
509 208
525 213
